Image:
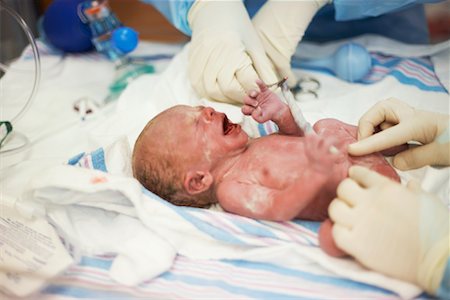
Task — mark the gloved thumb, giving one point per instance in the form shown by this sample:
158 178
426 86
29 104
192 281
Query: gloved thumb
414 186
263 66
286 71
420 156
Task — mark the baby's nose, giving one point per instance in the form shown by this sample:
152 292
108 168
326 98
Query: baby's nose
208 113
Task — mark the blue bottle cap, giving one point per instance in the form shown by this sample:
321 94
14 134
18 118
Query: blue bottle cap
125 39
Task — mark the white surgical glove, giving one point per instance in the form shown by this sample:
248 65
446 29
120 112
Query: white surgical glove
281 25
401 123
226 56
398 231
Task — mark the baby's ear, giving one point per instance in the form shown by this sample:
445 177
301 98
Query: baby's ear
197 182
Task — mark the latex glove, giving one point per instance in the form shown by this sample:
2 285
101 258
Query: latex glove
281 25
396 230
226 56
401 123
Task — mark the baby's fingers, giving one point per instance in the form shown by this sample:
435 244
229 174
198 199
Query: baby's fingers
247 110
262 86
248 100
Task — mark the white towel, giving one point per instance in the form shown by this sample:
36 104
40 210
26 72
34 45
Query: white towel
72 198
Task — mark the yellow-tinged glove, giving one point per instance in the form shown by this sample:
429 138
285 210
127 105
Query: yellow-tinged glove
401 123
226 55
400 231
281 25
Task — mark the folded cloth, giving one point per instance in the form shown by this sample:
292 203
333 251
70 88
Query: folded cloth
72 197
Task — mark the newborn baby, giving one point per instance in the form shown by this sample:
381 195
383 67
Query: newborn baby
195 156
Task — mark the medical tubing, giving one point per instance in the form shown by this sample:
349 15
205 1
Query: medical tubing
37 62
296 112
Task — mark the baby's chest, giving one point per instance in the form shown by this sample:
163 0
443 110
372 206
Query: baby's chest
274 167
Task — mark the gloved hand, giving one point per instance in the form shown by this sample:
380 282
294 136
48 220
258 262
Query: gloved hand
399 231
281 25
226 55
401 123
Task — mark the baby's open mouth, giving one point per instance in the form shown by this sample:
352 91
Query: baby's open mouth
228 126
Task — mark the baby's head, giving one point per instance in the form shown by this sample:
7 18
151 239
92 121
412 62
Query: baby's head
177 152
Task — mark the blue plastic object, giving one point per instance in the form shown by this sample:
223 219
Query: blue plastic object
64 29
350 62
125 39
109 36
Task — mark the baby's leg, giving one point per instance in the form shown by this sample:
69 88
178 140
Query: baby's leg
326 241
346 134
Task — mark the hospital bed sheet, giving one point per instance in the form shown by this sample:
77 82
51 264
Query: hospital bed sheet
143 99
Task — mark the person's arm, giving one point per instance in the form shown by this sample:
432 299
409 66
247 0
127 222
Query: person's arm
175 12
265 106
353 10
281 25
399 231
401 123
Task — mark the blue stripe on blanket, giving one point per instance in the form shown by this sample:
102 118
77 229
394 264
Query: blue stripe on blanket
329 280
418 72
236 290
184 212
95 262
93 160
79 292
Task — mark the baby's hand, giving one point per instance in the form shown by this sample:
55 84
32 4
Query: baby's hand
263 105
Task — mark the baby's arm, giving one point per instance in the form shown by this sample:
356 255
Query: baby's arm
265 105
257 201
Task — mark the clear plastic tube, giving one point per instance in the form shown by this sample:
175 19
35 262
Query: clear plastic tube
37 73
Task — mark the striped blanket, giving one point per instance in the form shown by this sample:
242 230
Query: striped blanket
192 277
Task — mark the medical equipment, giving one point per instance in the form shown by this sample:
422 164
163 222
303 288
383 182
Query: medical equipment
113 40
350 62
12 141
63 29
296 111
109 36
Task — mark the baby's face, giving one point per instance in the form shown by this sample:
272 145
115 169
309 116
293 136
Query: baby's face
207 133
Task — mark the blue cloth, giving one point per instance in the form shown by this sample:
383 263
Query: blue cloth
402 20
443 291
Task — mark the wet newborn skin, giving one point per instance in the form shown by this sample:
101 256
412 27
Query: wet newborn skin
346 134
305 172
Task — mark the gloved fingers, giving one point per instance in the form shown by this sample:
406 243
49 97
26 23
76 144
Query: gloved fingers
343 238
414 186
247 76
386 125
261 63
417 157
349 192
366 177
228 81
286 71
383 111
341 213
230 87
393 136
